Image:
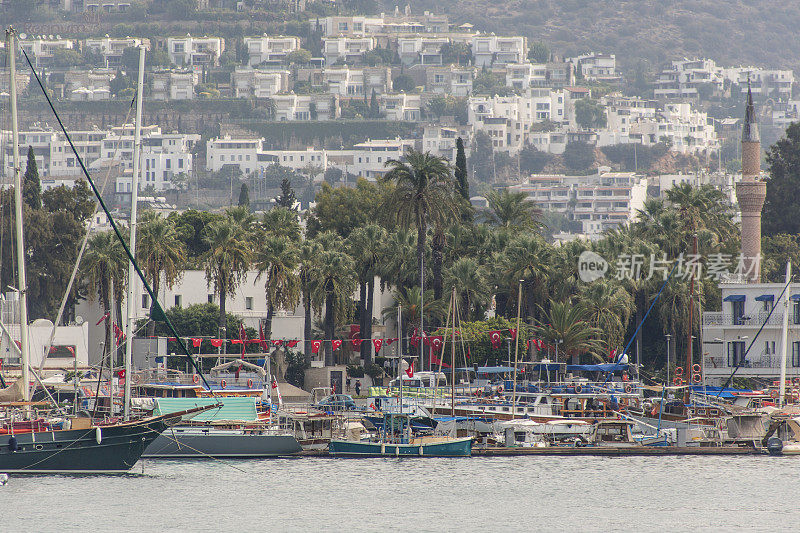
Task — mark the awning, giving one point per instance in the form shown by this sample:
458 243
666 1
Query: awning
794 297
765 298
233 408
734 298
605 367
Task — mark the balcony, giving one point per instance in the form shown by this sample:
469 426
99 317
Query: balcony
763 360
717 318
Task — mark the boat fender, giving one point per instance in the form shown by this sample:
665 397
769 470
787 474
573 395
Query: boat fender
12 444
775 445
249 383
98 435
696 368
578 389
222 384
628 388
195 379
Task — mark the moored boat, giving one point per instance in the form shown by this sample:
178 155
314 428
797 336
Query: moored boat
419 447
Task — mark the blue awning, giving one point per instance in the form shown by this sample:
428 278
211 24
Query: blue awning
794 297
605 367
765 298
734 298
547 367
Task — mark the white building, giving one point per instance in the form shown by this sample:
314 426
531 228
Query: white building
421 49
306 106
684 77
247 82
347 81
346 49
111 48
174 85
41 50
596 67
401 107
452 80
54 157
491 50
730 333
441 140
184 51
271 49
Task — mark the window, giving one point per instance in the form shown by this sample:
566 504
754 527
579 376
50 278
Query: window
211 298
342 26
796 313
796 354
145 301
248 303
736 351
738 313
178 300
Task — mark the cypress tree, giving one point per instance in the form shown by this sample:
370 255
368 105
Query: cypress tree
287 197
31 186
244 196
461 170
374 110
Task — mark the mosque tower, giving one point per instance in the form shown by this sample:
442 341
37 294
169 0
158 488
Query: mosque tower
750 193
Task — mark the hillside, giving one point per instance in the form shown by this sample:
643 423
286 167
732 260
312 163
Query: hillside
760 32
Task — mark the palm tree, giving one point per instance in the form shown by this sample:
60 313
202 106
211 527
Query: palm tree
281 221
673 309
366 246
414 307
227 259
470 283
526 258
424 194
513 210
335 281
307 258
277 259
568 331
160 252
104 265
398 268
608 308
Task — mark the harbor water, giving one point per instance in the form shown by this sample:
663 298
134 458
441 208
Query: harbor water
473 494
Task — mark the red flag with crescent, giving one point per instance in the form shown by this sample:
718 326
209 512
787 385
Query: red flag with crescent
277 342
197 342
389 342
356 343
513 332
496 338
292 344
377 343
436 343
335 343
216 343
315 346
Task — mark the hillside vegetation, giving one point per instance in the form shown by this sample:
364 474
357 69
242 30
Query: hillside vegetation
761 32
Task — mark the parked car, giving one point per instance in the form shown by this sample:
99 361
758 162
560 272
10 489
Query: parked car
337 402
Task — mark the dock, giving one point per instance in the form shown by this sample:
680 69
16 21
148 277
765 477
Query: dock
599 451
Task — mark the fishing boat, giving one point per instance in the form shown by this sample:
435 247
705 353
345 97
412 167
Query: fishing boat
419 447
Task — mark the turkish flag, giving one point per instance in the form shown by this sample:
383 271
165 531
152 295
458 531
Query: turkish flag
377 343
389 342
242 337
496 338
436 361
277 342
335 343
262 339
513 333
356 343
414 340
197 342
121 374
216 343
315 346
436 343
291 344
410 370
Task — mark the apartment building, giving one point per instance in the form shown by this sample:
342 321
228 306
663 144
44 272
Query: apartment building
729 334
247 82
596 67
441 140
491 50
186 51
306 106
174 84
421 50
41 50
346 49
356 26
54 157
685 76
269 49
111 48
358 81
452 80
401 106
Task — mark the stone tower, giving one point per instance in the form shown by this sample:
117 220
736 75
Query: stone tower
750 193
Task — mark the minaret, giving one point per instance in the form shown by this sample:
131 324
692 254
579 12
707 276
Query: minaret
750 192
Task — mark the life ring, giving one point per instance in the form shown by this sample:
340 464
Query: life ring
162 378
677 382
578 389
249 383
479 393
135 378
696 368
678 370
222 384
655 410
774 393
628 388
388 391
697 379
195 379
499 390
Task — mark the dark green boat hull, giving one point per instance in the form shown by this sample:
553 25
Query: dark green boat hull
454 448
78 450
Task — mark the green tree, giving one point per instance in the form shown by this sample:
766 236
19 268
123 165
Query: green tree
308 256
226 260
455 53
276 259
579 156
469 281
374 108
298 57
287 197
539 52
460 170
282 222
160 252
568 331
31 185
589 114
66 58
777 250
783 184
608 308
244 196
366 246
513 210
533 161
404 83
333 288
527 258
344 209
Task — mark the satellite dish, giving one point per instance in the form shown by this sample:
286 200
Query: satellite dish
58 37
23 36
79 320
50 37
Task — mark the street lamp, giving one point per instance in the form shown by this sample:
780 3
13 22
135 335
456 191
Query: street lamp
668 336
558 341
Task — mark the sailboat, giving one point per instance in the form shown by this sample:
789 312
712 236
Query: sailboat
67 444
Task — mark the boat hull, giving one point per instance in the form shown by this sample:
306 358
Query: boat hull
198 442
78 450
450 448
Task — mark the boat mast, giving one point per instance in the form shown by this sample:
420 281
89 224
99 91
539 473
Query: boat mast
400 358
137 150
516 354
785 332
20 237
452 361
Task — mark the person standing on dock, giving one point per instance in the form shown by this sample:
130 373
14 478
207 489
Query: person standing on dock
358 387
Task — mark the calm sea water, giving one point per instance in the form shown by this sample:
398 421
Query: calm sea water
477 494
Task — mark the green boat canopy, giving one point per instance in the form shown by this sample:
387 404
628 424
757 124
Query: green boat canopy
233 408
